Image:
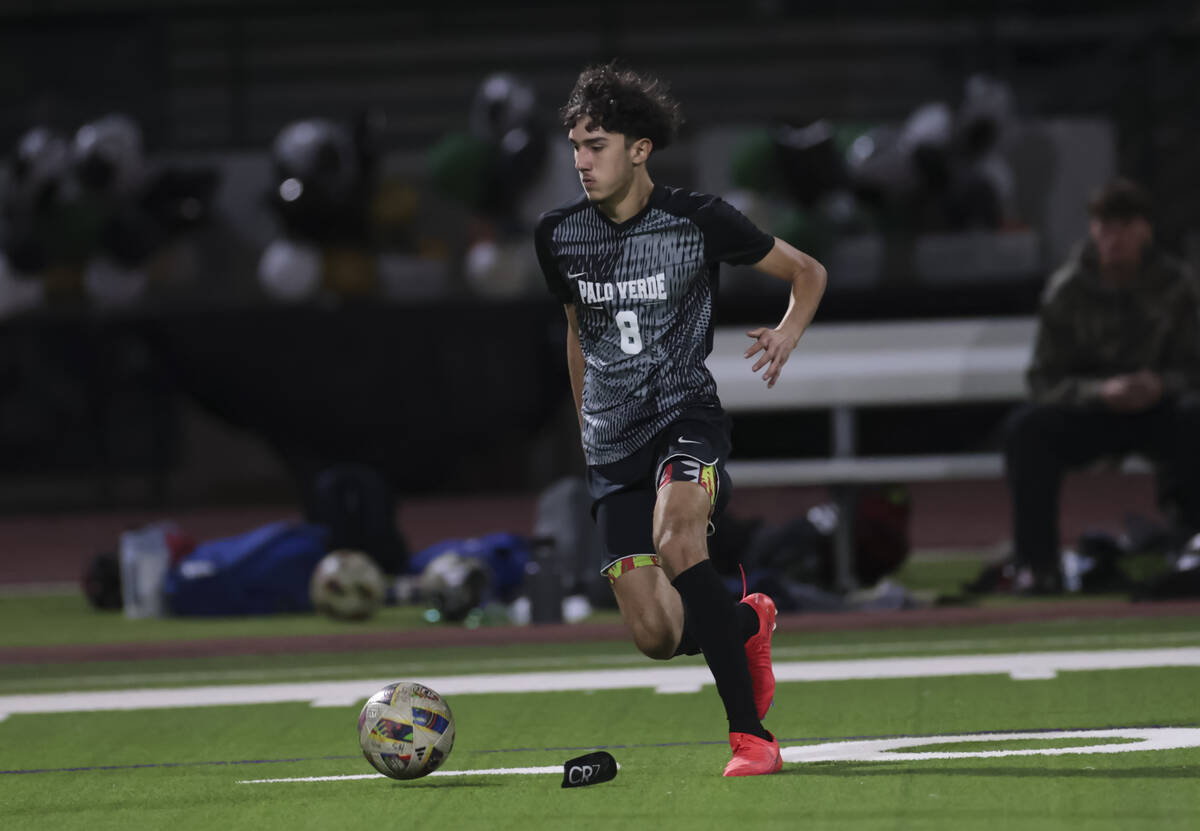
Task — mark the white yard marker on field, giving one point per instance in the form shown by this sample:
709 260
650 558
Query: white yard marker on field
263 675
480 772
1017 665
345 778
895 750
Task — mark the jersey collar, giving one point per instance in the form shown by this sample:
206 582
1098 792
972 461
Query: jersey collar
656 196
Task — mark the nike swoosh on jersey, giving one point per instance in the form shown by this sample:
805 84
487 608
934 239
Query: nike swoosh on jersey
682 440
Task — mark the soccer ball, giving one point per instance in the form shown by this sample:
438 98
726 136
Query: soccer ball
454 584
406 730
347 585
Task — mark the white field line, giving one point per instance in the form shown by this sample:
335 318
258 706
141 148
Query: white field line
628 659
1028 665
898 749
963 645
481 772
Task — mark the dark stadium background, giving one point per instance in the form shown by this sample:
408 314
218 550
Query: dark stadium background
208 394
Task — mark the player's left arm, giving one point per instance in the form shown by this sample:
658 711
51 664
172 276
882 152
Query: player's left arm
807 277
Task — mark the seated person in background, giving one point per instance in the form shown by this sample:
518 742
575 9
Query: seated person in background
1115 370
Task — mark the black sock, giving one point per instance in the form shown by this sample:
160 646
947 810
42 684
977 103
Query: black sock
747 619
714 624
687 641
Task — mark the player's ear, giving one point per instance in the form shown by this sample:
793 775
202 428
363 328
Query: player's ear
640 150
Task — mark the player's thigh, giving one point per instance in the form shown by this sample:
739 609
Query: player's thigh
681 526
693 487
651 609
643 592
649 605
624 520
696 450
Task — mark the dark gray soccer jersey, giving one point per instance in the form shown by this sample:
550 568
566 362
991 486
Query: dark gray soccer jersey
643 293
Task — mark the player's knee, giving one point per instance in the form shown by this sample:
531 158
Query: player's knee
1029 430
680 545
674 533
667 540
680 521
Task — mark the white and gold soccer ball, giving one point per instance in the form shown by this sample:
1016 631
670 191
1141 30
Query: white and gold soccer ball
406 730
347 585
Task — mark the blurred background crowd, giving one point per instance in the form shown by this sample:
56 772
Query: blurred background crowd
240 243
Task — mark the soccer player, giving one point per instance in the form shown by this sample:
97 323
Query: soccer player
635 265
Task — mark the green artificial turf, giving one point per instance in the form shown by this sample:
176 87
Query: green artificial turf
50 620
45 620
670 747
181 769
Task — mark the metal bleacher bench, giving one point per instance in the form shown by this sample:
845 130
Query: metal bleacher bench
846 367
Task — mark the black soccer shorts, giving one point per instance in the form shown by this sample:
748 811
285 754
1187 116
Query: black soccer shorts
693 448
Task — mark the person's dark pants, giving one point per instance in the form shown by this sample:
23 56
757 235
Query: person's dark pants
1045 441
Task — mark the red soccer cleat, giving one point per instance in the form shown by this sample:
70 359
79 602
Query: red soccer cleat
753 756
758 652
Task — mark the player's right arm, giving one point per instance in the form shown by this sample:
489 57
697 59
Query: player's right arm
558 286
575 360
808 278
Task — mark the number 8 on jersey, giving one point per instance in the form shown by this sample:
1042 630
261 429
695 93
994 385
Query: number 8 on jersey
631 336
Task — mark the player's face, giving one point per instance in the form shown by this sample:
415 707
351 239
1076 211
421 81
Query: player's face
1119 242
603 159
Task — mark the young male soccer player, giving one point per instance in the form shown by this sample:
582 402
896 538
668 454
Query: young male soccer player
635 265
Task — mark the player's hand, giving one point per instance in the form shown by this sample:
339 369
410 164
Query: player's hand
1132 393
1147 388
776 347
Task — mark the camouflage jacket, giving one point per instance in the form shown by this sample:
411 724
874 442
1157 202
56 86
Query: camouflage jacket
1088 332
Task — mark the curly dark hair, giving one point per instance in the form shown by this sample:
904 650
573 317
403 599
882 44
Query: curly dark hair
622 101
1121 199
